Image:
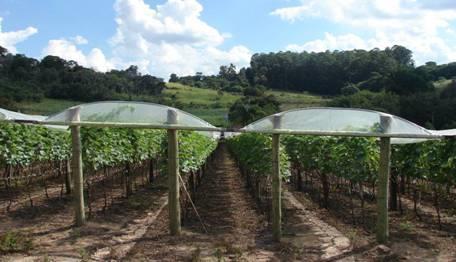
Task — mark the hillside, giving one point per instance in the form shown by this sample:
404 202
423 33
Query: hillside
208 104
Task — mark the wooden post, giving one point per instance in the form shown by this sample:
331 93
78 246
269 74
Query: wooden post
76 167
276 183
68 179
173 176
383 181
151 171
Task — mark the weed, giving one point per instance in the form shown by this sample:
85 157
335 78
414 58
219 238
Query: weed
84 254
196 256
75 233
219 255
13 241
352 235
406 226
46 258
237 251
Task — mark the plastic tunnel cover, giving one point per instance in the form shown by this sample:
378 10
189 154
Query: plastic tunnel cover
11 115
340 120
124 112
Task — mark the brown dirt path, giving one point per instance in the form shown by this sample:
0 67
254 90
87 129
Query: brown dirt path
410 239
49 225
304 231
237 231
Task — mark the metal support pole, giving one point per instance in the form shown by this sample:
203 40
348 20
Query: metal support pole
76 167
383 182
276 183
173 176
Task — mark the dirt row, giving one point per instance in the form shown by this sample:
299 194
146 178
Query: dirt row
411 239
236 229
48 223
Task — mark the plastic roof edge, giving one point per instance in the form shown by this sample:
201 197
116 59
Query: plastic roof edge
131 102
431 134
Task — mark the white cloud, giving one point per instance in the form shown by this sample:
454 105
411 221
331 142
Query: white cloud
67 49
170 38
80 40
422 26
332 42
9 39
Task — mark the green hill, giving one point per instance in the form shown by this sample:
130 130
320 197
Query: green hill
209 104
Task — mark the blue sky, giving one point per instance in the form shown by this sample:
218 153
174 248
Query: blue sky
185 36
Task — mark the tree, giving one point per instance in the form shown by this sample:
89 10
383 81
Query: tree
148 84
407 80
401 54
228 72
54 62
249 109
173 78
3 51
382 101
132 71
254 91
349 89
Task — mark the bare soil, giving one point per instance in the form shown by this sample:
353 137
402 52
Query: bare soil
411 239
49 222
236 229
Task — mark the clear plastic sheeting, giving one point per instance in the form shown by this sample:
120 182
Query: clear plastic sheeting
7 115
135 114
341 121
446 132
228 134
11 115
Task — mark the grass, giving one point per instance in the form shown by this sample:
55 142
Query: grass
290 100
215 116
441 84
213 106
46 106
208 104
199 97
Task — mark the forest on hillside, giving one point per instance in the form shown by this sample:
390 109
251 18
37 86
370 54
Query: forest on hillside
24 78
386 80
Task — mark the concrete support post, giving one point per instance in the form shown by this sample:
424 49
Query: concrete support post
77 168
382 227
276 183
173 176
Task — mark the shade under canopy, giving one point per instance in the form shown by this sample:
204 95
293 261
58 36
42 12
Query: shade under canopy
342 121
130 114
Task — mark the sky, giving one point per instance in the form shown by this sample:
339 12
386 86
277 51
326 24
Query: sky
188 36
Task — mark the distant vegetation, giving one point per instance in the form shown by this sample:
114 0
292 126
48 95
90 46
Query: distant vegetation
325 73
254 105
23 78
385 80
